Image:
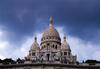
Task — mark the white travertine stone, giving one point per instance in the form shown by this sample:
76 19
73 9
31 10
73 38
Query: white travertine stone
52 50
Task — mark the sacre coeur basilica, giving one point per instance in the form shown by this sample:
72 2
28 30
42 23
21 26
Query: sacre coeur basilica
51 49
51 53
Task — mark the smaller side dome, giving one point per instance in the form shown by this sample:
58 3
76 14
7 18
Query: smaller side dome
35 45
65 45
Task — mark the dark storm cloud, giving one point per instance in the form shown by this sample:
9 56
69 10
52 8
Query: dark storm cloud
23 17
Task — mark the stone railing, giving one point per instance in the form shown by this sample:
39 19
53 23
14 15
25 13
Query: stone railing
48 66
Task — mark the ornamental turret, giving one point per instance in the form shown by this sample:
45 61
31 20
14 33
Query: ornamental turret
34 50
35 45
65 45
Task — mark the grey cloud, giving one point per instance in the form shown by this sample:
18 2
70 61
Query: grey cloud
80 18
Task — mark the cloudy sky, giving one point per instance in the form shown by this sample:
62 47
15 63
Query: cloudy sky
21 20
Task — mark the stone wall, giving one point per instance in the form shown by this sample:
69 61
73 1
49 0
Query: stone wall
47 66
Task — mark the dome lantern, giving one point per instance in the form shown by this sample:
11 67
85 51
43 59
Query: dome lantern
35 45
50 21
64 37
65 45
35 39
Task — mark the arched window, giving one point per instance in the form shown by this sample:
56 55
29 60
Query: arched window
33 54
53 45
48 44
65 53
56 47
68 53
44 46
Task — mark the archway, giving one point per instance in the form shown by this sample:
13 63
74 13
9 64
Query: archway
48 57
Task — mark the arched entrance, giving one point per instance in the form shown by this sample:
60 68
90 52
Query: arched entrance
48 55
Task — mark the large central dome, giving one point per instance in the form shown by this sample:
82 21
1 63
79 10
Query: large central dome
50 32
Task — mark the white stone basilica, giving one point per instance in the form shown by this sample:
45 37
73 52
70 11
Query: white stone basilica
51 50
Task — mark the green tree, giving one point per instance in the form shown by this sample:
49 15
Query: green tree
0 61
8 61
19 60
91 61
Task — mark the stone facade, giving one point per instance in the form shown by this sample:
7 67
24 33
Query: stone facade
51 49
